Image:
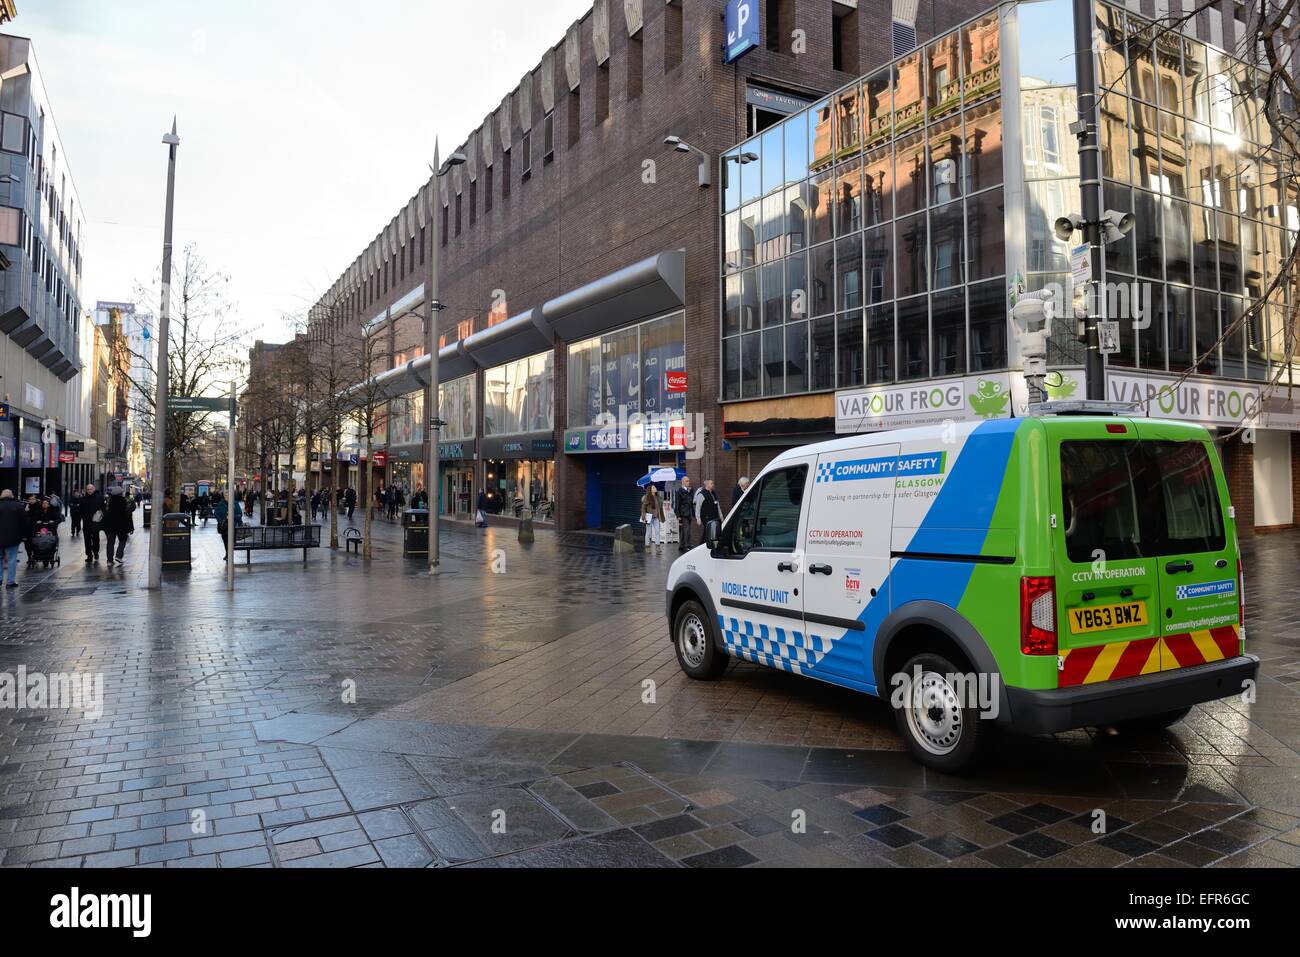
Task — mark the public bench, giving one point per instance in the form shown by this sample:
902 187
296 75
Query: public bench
261 538
352 540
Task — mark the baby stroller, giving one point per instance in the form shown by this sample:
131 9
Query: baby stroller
44 547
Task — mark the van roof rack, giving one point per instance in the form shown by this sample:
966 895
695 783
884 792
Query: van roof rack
1084 407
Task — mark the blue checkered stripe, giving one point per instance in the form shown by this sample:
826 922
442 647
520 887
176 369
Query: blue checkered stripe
825 472
785 650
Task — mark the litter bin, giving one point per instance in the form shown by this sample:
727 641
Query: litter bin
148 514
176 541
415 533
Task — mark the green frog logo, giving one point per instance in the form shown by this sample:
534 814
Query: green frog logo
990 399
1060 386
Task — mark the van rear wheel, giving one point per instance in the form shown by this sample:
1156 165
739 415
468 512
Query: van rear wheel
939 729
693 638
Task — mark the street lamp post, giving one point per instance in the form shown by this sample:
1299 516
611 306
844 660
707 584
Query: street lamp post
172 142
432 484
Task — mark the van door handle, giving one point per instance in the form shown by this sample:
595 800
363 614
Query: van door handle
1174 568
821 570
787 567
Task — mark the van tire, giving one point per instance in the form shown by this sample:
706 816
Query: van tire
1152 723
696 644
947 736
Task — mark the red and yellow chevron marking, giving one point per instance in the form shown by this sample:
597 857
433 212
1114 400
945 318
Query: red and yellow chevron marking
1129 659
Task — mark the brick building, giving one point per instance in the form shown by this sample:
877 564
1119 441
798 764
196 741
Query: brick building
579 253
584 272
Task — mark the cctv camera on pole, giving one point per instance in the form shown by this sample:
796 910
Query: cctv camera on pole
1032 317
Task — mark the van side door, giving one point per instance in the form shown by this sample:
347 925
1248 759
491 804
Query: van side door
850 524
760 572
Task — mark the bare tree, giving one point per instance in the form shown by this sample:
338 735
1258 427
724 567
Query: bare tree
367 403
202 354
333 367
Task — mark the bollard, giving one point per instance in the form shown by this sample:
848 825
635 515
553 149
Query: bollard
526 534
623 540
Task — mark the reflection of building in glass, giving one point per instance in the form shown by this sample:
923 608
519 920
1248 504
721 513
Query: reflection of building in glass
869 245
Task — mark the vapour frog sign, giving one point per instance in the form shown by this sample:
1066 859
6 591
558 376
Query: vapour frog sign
869 410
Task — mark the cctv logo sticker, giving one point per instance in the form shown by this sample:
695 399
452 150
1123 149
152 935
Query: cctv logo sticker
1206 590
924 463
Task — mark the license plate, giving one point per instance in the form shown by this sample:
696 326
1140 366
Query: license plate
1107 617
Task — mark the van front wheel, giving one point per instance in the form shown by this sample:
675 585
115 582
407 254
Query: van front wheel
940 730
697 652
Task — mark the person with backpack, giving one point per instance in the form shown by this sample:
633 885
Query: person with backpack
222 513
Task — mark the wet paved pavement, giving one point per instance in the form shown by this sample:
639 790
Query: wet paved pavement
339 714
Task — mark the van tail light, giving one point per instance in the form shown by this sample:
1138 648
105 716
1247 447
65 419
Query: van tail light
1038 616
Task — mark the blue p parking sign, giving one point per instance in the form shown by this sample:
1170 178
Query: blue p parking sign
742 29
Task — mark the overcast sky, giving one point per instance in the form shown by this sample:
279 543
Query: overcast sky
304 126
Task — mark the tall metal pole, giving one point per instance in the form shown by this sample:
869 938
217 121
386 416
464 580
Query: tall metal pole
172 142
1090 189
231 500
432 482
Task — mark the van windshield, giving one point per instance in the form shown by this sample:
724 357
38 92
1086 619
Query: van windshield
1127 500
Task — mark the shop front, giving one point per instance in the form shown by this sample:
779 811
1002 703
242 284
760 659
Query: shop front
627 392
456 464
519 446
519 473
9 458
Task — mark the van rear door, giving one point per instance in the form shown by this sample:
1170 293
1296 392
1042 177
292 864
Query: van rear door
1197 560
1106 577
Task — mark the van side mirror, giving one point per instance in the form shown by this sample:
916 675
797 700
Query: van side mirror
713 535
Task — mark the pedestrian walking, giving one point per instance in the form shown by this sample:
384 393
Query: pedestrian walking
13 532
652 514
74 511
222 513
350 500
684 508
480 516
92 520
315 505
119 526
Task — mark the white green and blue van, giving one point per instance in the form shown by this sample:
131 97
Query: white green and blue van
1077 570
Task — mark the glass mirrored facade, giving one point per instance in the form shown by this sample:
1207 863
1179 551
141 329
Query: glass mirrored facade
456 407
1186 146
625 372
519 397
864 238
876 237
